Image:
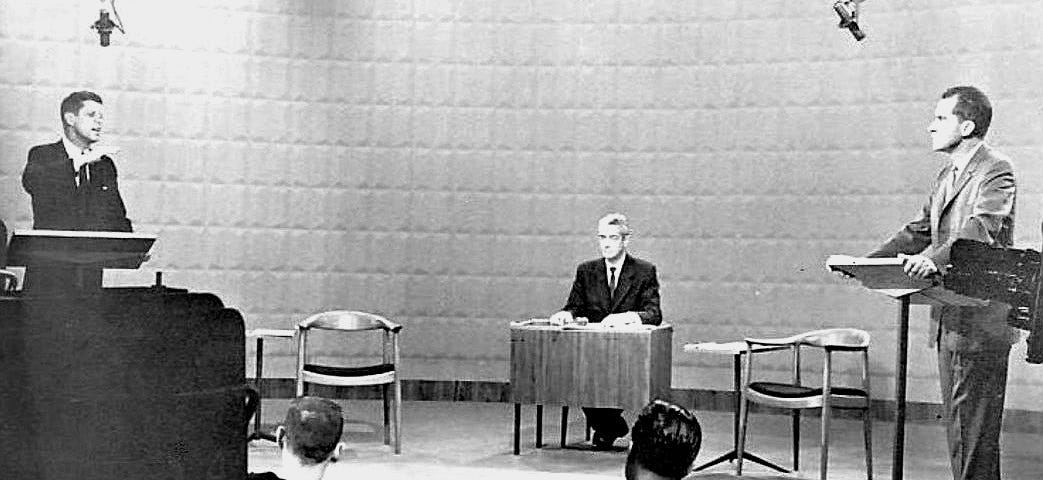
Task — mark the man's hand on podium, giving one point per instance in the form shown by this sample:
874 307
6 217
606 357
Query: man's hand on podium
621 319
561 318
918 266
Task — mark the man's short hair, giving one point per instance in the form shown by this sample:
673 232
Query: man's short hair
617 219
313 428
74 102
973 105
665 440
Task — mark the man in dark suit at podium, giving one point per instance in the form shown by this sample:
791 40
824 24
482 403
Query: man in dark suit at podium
972 198
615 290
73 186
73 181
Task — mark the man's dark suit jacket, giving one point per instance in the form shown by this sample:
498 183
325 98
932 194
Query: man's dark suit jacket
58 204
637 289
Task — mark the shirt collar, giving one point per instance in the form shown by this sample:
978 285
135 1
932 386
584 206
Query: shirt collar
618 264
961 161
74 152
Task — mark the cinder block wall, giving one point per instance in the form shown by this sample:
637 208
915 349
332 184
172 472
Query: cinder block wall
443 163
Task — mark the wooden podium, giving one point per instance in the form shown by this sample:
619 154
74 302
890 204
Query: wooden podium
885 275
65 261
586 366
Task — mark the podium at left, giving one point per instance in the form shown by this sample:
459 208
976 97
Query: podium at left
127 382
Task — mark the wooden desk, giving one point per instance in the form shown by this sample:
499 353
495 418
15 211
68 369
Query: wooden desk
590 366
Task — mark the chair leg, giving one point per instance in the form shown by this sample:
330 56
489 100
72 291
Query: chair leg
796 440
744 415
397 421
868 430
824 459
387 414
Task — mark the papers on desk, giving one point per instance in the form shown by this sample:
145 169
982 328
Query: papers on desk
543 322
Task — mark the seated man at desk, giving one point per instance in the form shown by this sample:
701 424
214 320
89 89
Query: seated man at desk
615 290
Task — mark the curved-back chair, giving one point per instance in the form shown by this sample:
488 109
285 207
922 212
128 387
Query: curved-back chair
384 374
797 396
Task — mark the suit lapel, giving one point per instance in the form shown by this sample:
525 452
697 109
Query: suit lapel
965 177
601 280
625 282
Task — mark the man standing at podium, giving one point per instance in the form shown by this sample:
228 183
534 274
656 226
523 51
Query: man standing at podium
615 290
72 182
73 186
972 198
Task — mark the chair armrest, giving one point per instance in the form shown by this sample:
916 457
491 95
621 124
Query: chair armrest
10 279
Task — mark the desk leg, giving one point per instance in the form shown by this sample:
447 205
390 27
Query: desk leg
898 453
539 426
517 428
564 423
734 454
257 433
257 381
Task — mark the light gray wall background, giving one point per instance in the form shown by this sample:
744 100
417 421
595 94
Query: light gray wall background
444 162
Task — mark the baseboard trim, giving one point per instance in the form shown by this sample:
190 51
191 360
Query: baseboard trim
1014 420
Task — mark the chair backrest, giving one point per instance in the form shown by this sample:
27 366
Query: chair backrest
349 321
835 338
8 282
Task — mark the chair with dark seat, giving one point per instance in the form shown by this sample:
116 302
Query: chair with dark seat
384 374
797 396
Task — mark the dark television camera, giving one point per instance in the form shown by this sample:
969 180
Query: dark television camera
848 13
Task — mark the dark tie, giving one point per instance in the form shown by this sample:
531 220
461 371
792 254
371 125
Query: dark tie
612 281
82 175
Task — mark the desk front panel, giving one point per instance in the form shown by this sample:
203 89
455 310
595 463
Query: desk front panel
592 368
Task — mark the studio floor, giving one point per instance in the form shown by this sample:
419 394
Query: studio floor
473 440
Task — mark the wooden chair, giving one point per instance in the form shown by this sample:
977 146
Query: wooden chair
384 374
8 282
797 396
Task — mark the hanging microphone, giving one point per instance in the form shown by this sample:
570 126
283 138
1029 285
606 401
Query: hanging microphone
104 24
849 18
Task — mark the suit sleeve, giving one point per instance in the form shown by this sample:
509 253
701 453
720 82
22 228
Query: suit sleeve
44 187
913 238
650 313
576 303
993 209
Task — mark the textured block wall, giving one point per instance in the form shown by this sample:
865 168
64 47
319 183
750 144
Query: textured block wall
444 162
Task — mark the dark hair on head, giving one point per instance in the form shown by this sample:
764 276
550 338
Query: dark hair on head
973 105
74 102
313 428
665 439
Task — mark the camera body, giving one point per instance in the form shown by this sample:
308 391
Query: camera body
848 14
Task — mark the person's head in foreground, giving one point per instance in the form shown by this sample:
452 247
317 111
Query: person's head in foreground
663 443
309 438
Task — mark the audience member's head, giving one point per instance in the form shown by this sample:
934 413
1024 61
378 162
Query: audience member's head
663 443
310 436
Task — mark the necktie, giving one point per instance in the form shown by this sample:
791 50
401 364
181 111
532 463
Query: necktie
950 186
82 176
612 281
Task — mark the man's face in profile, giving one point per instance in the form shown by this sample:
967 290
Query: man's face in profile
87 123
611 241
946 128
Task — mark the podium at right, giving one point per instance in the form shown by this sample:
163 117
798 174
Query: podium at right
886 276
